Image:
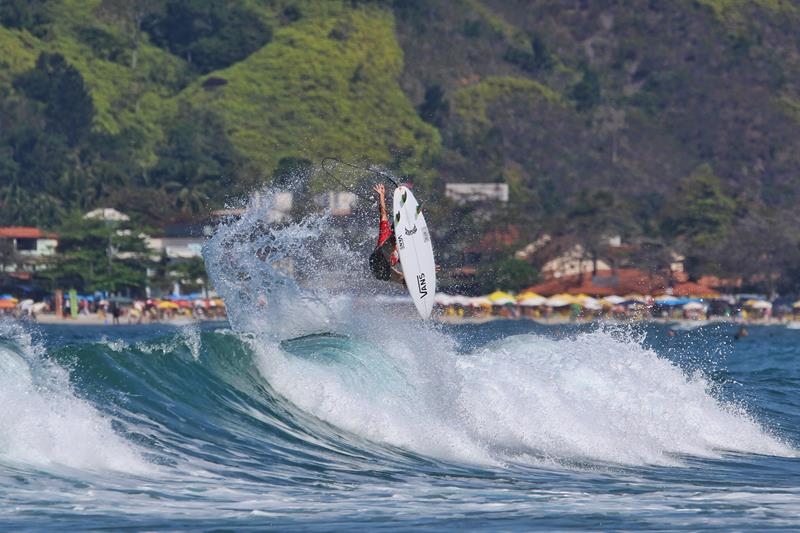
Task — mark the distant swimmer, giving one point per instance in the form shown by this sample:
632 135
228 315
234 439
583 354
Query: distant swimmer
741 333
385 260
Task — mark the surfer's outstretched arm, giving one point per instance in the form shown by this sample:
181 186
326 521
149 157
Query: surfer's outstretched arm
381 190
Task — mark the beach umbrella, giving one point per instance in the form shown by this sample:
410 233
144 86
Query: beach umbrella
533 301
559 300
587 302
667 299
166 304
635 297
480 301
7 304
529 294
501 298
758 304
694 306
614 299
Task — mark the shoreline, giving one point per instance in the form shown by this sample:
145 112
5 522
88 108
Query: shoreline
50 319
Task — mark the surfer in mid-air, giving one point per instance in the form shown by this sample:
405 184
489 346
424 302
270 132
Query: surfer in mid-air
384 261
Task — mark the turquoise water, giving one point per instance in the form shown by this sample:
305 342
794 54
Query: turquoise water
518 427
317 408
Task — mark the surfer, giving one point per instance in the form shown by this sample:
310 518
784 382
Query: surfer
384 261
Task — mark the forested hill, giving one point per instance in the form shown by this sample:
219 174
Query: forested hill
672 122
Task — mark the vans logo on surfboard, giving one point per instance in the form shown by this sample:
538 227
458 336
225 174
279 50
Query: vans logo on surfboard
422 285
411 231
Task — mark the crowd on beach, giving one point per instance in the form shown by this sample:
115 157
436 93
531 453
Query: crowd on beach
499 304
582 307
115 310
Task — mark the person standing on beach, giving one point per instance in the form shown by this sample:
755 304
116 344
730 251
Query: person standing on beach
115 312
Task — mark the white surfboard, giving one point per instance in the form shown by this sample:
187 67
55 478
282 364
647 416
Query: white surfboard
415 249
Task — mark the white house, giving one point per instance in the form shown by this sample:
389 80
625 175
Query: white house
108 214
476 192
573 261
24 248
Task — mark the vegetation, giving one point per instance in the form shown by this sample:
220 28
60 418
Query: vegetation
672 125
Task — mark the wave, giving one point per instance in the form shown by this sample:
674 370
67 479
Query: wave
316 375
43 422
390 378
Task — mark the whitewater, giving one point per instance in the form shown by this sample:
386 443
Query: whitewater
324 403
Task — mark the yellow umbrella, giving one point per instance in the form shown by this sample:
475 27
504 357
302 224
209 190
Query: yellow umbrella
571 298
501 298
528 295
166 304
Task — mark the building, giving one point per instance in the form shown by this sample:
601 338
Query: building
25 249
622 281
108 214
572 262
180 241
476 192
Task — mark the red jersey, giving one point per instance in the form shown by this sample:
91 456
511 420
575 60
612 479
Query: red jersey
383 235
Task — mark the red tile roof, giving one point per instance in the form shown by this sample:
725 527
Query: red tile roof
607 282
24 232
691 288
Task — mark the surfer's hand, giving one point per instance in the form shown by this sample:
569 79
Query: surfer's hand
380 189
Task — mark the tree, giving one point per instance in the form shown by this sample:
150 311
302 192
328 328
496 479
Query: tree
762 248
69 110
594 217
701 217
130 15
196 156
208 34
506 274
435 107
99 255
586 93
29 15
8 255
702 210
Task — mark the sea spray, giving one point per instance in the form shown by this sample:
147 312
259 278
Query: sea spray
386 376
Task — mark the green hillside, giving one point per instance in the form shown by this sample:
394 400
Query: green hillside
625 114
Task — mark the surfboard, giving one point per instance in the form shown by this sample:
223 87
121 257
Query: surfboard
415 249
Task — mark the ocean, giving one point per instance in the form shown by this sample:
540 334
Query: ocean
316 408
